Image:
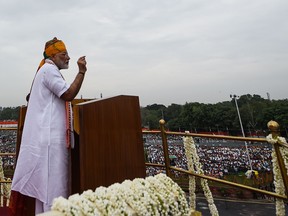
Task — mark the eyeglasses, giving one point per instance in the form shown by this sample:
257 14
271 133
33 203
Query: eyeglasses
64 54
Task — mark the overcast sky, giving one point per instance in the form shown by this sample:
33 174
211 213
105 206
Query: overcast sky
164 51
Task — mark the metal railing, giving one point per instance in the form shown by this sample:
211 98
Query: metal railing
169 168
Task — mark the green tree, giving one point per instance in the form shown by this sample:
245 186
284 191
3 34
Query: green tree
255 113
9 113
151 115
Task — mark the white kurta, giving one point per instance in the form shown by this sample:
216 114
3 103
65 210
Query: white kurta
42 169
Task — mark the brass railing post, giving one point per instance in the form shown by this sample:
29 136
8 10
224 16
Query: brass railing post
165 147
282 166
274 129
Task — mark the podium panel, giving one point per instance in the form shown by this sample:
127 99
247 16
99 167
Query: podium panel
110 142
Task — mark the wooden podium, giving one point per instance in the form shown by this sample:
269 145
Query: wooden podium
109 146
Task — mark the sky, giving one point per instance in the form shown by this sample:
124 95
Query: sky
163 51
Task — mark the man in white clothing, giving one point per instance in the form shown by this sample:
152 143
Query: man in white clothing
42 169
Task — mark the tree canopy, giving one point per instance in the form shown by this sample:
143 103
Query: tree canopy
9 113
255 113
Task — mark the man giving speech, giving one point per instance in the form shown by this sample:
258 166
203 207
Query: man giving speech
42 169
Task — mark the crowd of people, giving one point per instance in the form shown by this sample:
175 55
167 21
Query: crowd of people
218 158
8 145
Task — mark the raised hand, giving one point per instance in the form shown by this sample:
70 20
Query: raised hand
82 64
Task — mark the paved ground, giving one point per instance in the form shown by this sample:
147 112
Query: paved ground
228 207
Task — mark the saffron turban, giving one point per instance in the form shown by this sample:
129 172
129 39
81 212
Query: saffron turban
52 47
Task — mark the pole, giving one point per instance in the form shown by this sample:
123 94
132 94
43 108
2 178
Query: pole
243 134
165 148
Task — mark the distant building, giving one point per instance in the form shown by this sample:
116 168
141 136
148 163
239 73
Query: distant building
8 124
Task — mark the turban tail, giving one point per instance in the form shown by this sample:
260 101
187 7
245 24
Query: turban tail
52 47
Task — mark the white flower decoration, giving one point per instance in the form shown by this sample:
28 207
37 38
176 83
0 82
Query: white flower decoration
278 181
158 195
193 158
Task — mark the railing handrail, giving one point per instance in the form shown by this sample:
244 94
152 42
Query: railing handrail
237 138
168 168
7 154
8 128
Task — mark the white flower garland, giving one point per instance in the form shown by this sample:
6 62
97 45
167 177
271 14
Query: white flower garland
278 181
193 158
192 181
5 187
158 195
